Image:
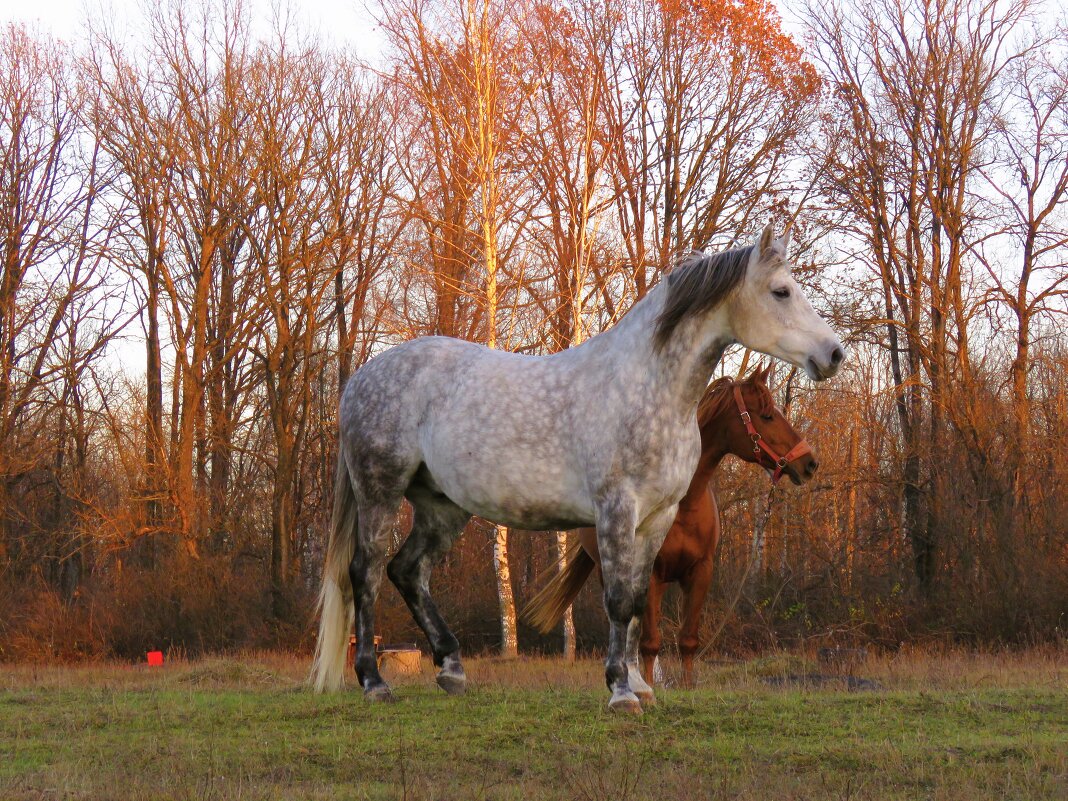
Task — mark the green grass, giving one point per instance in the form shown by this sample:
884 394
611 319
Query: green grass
948 727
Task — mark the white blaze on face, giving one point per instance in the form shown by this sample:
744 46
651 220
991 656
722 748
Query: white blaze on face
770 313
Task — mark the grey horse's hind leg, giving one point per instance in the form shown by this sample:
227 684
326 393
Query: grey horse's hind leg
365 573
437 523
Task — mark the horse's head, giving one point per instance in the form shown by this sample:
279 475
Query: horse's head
784 450
769 313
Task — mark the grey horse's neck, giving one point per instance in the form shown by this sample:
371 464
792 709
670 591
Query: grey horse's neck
681 368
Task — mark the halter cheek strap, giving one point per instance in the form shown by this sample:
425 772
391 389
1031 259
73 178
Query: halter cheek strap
760 447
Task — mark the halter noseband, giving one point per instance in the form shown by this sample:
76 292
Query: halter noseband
800 449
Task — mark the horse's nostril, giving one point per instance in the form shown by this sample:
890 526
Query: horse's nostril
837 355
810 468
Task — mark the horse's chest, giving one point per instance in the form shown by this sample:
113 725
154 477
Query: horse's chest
661 460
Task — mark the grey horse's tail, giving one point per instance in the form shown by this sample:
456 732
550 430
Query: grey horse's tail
545 609
336 611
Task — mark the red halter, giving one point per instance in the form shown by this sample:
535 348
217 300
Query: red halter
800 449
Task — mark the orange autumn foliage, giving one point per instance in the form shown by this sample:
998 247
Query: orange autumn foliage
752 29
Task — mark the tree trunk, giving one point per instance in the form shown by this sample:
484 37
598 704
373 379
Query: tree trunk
154 449
760 531
509 640
569 613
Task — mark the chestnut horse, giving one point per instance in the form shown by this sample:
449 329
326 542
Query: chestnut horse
764 437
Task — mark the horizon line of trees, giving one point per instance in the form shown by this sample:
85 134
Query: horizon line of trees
207 230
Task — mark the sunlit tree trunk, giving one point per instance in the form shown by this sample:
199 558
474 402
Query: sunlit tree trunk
569 613
505 595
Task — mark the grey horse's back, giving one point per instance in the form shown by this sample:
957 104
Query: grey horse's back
405 377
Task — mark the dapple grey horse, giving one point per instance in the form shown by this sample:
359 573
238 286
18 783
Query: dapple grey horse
604 434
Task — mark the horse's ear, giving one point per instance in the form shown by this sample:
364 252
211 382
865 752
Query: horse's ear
767 238
768 374
786 238
760 372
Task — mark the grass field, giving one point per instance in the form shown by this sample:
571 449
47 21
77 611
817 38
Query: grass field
951 726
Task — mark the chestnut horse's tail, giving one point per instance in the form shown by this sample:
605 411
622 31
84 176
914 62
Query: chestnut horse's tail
545 609
336 611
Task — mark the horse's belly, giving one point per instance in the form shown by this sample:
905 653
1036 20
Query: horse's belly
528 495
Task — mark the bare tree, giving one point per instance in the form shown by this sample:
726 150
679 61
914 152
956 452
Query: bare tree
913 81
361 175
53 318
710 99
1029 178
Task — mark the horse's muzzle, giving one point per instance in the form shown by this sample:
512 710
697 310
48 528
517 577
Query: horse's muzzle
823 368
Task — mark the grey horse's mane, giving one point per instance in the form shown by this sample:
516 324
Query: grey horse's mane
699 282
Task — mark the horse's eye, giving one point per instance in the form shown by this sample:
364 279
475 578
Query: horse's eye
767 417
781 294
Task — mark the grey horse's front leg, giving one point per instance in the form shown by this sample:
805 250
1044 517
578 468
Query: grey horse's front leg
638 683
620 559
647 543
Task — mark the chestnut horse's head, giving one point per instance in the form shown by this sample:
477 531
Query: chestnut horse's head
752 427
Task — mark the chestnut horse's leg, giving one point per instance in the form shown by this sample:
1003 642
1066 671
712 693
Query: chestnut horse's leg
650 642
695 589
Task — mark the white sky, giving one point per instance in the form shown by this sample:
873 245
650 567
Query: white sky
345 22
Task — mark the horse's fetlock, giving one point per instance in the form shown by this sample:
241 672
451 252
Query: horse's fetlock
615 674
448 648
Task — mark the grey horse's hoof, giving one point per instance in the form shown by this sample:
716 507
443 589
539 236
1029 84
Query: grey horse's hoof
625 702
452 683
639 687
379 694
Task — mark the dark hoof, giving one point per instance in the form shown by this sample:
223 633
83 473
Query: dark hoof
626 703
453 683
379 693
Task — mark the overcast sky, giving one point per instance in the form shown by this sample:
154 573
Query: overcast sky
342 21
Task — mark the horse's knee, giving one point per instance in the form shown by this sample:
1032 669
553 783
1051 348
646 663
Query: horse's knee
639 600
688 645
618 602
